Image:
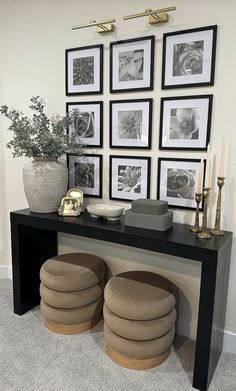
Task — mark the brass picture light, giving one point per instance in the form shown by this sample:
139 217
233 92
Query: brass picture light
104 26
155 16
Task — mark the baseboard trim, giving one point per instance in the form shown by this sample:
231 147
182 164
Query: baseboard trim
229 342
188 328
10 272
5 272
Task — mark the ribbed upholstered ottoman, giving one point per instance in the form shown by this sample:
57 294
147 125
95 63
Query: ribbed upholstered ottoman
139 319
71 292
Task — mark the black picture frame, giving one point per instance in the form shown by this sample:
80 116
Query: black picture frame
94 123
137 80
184 54
91 182
138 114
188 190
74 81
185 122
119 163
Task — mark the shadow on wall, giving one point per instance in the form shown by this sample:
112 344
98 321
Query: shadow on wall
3 201
183 273
228 198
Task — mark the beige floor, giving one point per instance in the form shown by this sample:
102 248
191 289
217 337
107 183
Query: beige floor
34 359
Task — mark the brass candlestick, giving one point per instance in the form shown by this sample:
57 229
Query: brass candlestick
205 234
217 231
196 228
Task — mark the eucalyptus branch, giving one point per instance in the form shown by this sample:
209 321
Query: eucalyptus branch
41 136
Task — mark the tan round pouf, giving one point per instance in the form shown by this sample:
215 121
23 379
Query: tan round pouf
139 318
72 272
74 299
139 349
139 330
69 319
139 295
71 292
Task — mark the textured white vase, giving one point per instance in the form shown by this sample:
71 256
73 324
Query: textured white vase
45 183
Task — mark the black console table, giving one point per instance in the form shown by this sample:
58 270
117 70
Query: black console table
34 239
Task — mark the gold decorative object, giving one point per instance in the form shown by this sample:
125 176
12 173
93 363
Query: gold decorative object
217 231
104 26
155 16
205 233
75 192
196 228
69 207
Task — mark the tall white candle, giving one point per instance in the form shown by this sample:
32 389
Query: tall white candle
208 167
199 182
222 160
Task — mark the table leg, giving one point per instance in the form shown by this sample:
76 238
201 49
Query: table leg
211 316
30 248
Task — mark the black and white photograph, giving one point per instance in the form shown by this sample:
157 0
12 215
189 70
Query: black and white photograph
84 70
189 57
129 177
87 124
85 172
131 64
178 181
185 122
128 72
131 123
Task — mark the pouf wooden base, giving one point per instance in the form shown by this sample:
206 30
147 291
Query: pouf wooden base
71 329
135 363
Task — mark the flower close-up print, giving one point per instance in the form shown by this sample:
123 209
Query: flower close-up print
188 58
129 179
83 70
130 124
84 174
84 124
131 65
181 183
184 123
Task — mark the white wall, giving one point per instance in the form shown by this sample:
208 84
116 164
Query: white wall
33 37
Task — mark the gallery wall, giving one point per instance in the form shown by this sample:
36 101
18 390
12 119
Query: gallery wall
33 38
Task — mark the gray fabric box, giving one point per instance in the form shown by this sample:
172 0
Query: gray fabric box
148 221
149 207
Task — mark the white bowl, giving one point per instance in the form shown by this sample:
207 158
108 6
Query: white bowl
111 211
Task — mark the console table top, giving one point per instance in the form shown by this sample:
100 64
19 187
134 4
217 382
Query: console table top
177 240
